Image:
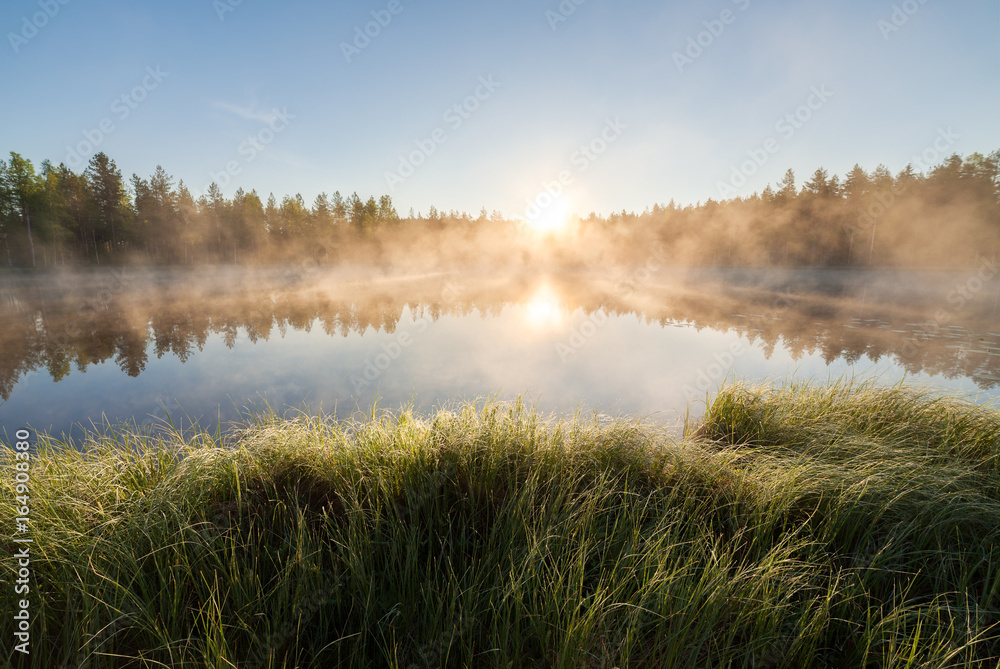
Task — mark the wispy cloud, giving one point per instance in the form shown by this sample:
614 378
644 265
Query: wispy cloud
249 112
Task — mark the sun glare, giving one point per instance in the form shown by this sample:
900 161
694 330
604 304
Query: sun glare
543 309
551 219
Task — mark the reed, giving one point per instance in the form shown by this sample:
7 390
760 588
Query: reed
848 525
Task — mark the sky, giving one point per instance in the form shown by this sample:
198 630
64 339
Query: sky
462 105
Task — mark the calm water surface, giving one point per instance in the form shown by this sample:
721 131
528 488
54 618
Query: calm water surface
207 344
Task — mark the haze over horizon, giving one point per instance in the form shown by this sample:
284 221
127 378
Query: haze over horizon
496 100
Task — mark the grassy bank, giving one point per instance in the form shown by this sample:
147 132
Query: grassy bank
839 526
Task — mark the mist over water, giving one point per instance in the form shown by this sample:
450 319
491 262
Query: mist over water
145 304
131 344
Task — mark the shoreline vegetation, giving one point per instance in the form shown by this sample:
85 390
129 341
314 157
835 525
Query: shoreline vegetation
947 216
840 525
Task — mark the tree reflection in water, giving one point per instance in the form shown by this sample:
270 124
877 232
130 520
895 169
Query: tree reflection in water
58 322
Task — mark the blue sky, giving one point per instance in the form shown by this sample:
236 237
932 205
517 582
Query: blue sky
200 78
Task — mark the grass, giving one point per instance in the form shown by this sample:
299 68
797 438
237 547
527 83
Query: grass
849 525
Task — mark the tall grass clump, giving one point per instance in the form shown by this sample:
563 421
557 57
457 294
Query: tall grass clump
841 526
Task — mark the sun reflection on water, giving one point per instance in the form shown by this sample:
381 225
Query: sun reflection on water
543 310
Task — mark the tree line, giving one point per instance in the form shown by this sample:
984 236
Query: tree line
948 216
54 216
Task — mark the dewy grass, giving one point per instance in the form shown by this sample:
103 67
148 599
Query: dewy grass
849 525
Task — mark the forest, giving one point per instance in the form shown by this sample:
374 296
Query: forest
51 216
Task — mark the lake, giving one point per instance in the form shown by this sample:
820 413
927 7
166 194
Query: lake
207 344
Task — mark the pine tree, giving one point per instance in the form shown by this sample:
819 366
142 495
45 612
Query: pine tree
109 194
856 185
819 185
322 215
25 188
787 192
387 212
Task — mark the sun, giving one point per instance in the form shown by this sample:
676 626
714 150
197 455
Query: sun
551 219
